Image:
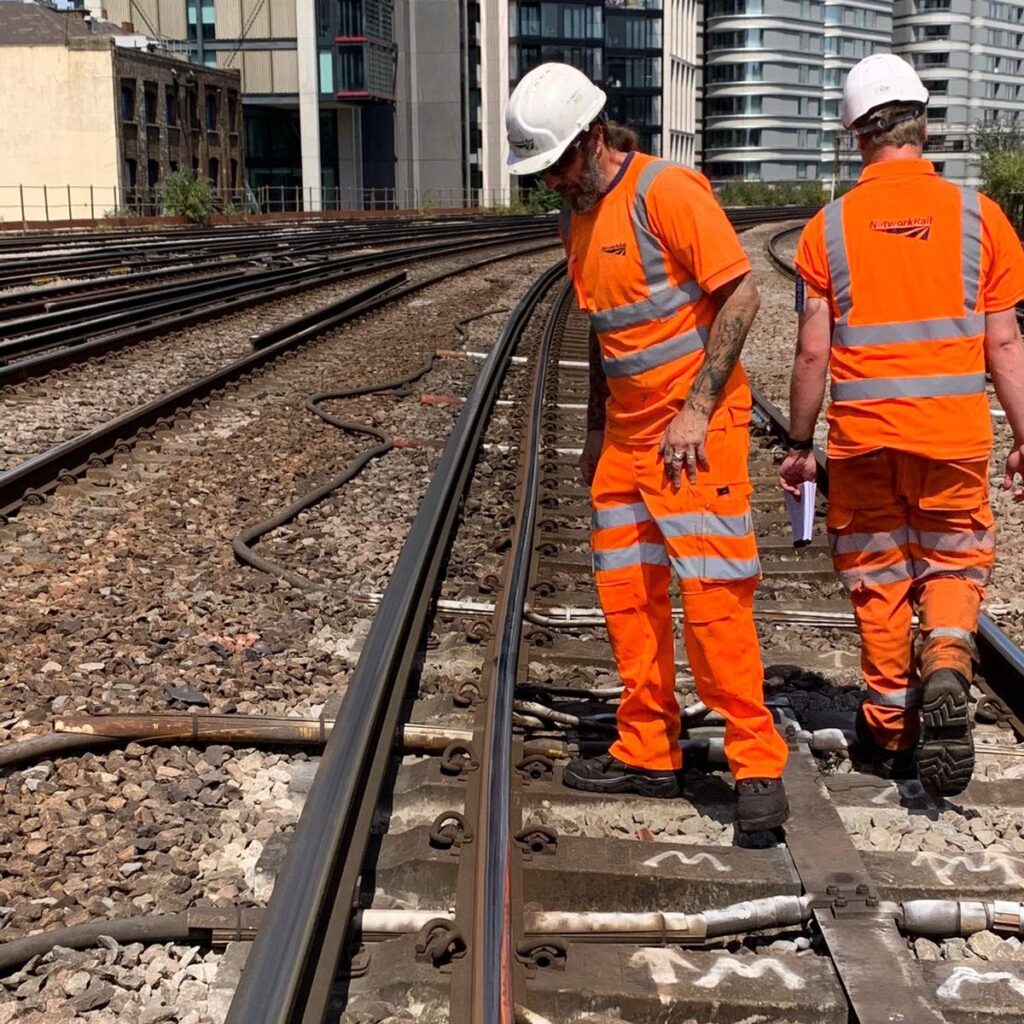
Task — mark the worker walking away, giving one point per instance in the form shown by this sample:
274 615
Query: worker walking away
910 286
668 288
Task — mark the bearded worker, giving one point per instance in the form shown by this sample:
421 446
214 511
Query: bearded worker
670 295
910 284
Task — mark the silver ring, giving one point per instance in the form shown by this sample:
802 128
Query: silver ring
677 458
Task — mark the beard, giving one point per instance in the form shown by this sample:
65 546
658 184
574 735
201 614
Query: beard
585 195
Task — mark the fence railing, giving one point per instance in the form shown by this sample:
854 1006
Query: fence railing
46 203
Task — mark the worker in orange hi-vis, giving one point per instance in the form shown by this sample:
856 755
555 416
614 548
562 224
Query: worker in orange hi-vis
906 291
668 288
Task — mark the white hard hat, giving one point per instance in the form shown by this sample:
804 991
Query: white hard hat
550 106
878 79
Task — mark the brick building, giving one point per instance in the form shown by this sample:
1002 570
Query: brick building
102 117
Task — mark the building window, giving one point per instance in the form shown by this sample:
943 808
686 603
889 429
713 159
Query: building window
632 32
926 33
212 105
743 39
127 100
351 77
233 111
171 107
213 169
327 71
634 72
750 72
201 10
725 8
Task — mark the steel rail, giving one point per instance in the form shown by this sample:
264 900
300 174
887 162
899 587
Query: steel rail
59 358
80 322
32 479
1002 661
291 968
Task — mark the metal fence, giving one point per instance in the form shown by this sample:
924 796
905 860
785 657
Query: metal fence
46 203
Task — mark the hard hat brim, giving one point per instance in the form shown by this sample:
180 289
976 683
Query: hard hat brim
520 165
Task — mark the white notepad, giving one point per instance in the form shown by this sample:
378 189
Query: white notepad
801 513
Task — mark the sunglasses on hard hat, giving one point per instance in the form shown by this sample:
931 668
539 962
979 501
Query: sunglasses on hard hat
562 164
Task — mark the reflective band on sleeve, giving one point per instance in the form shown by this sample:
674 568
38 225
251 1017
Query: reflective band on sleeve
909 698
835 248
970 215
867 543
847 336
956 540
908 387
619 515
697 524
656 355
696 567
661 304
876 576
643 553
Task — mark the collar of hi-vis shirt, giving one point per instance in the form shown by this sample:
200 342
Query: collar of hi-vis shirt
618 174
897 169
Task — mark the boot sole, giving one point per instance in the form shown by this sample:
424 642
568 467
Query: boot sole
765 821
660 789
945 762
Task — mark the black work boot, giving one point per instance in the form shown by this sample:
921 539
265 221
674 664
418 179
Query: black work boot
945 761
607 774
760 804
886 764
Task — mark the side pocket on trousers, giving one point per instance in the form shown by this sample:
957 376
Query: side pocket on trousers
954 486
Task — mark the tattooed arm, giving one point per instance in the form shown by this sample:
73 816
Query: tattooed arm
738 303
596 399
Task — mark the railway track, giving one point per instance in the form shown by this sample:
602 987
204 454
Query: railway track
463 883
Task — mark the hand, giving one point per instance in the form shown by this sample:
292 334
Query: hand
1015 468
682 447
797 468
591 453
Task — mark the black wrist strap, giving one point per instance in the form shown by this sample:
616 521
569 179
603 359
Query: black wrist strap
795 444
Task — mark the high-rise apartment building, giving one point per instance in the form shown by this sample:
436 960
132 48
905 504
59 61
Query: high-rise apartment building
763 72
760 124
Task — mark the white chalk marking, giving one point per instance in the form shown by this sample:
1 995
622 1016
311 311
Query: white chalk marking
757 969
710 858
950 988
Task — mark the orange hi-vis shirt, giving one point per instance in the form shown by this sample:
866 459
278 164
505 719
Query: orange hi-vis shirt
910 264
643 264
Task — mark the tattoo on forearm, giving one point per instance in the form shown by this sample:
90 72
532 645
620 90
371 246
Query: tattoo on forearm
728 333
598 387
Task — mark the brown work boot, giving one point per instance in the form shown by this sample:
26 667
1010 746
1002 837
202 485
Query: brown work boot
945 761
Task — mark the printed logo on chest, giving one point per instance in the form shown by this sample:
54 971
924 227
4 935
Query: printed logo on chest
619 249
908 227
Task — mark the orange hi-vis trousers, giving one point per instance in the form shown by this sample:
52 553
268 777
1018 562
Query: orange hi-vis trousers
643 529
908 530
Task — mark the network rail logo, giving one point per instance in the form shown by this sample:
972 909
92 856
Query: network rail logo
910 227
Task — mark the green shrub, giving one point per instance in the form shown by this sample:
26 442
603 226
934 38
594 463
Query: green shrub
183 194
1000 155
761 193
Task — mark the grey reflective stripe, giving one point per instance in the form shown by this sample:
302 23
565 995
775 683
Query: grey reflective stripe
643 553
656 355
908 387
659 305
704 524
928 568
838 264
951 631
619 515
652 256
867 543
665 298
909 698
956 540
849 336
876 575
970 224
565 216
697 567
